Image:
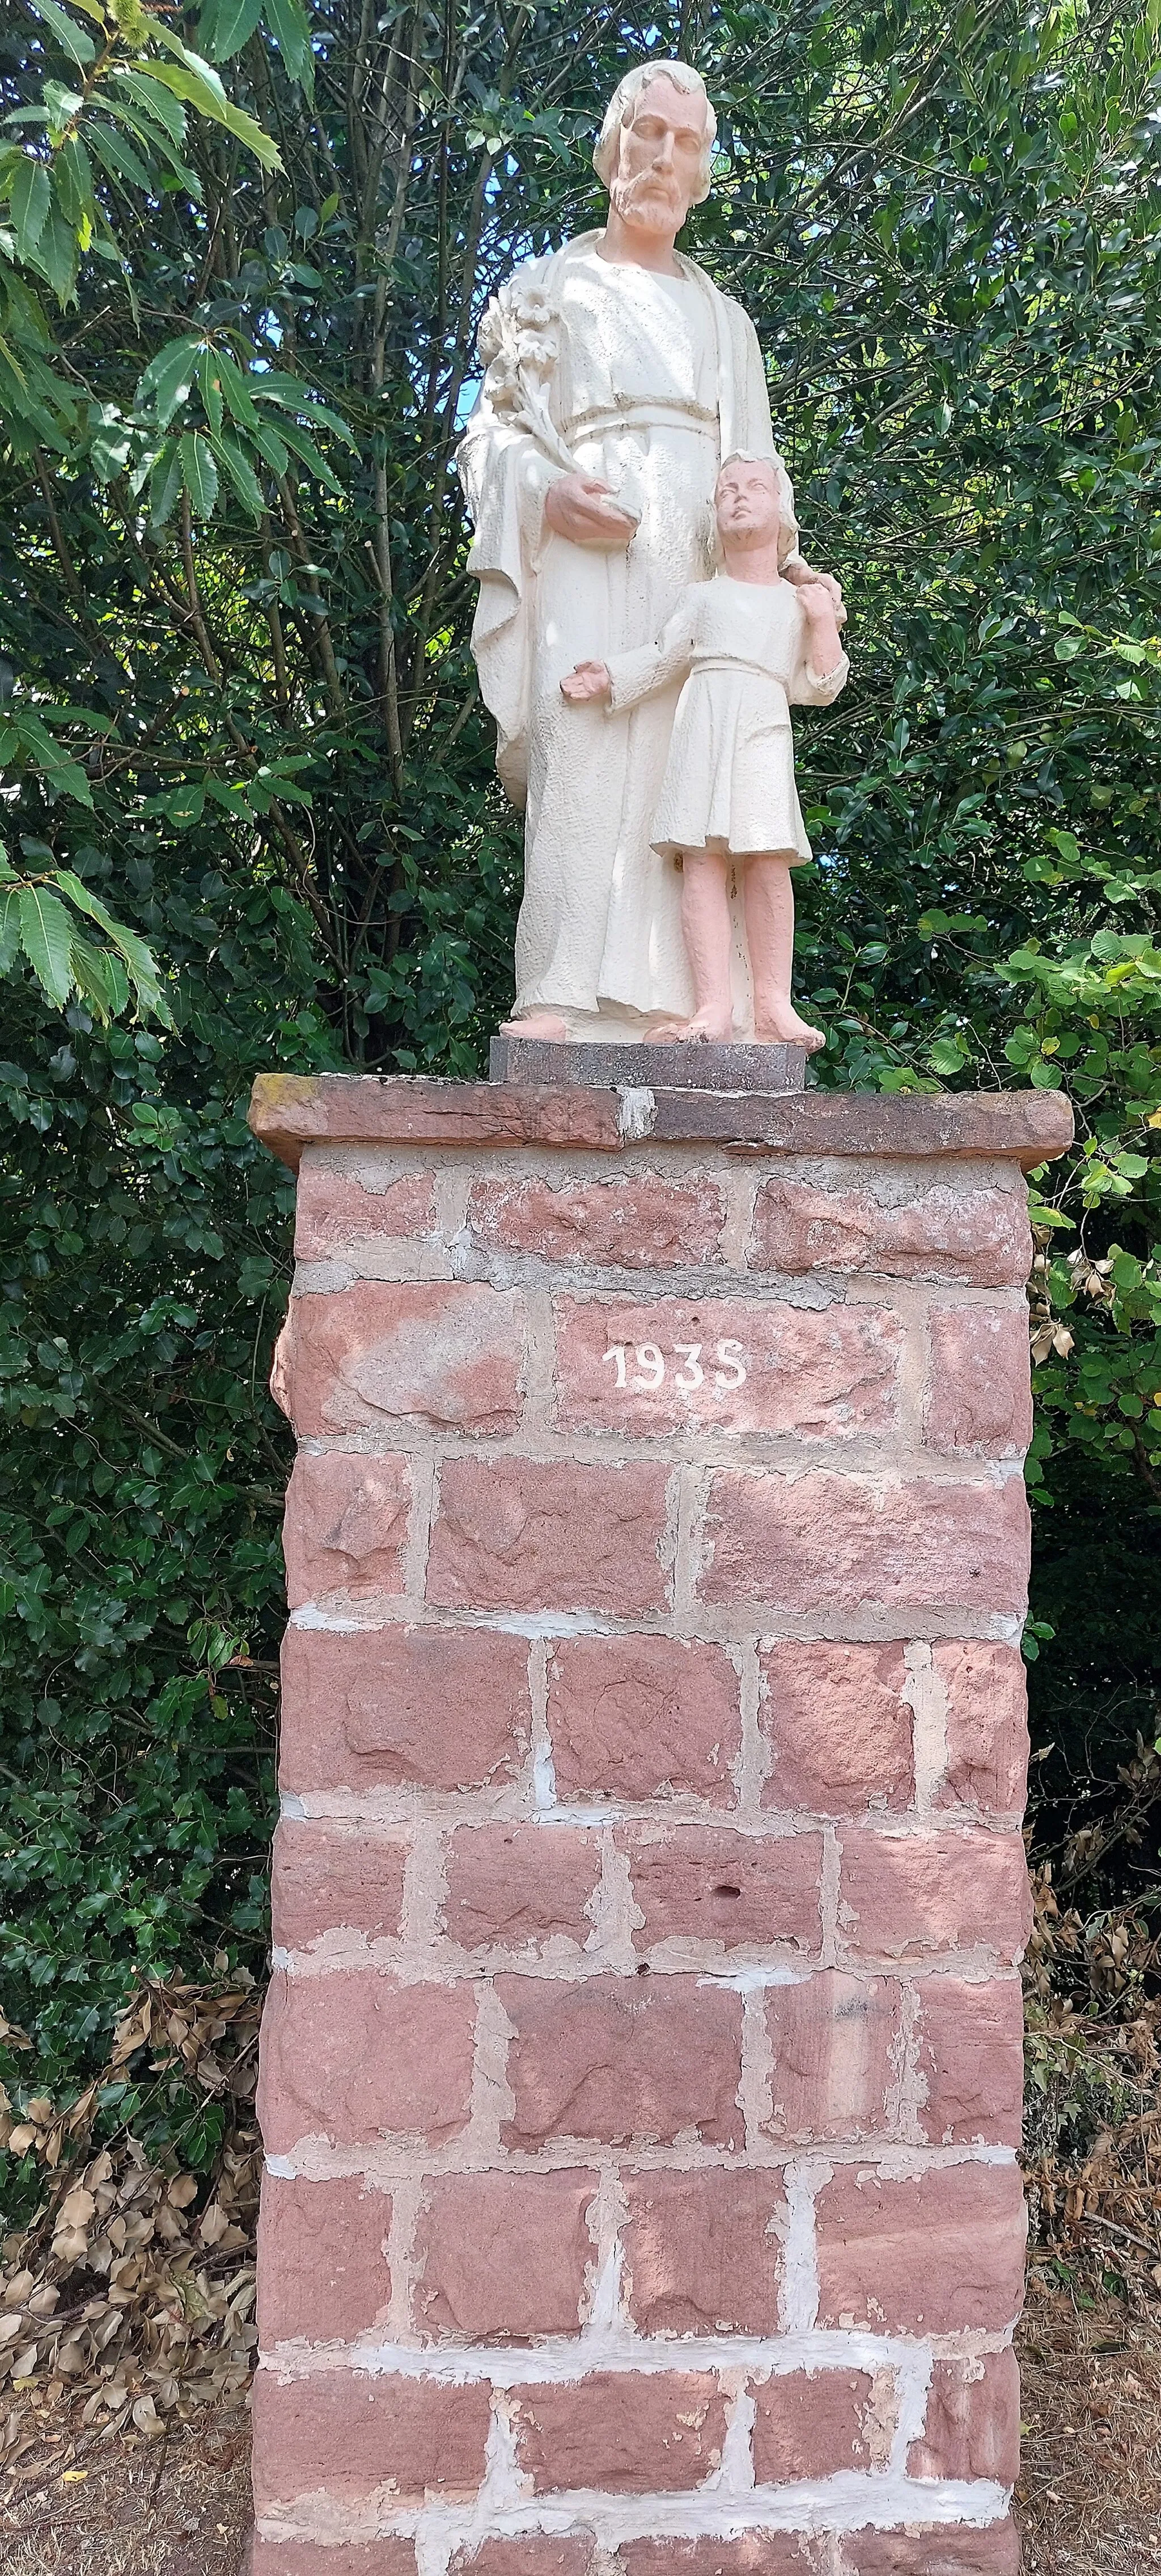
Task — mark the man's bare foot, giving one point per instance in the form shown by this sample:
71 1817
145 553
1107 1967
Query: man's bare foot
782 1027
709 1028
548 1026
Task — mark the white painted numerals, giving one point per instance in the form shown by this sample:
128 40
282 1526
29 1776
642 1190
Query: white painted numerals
649 1367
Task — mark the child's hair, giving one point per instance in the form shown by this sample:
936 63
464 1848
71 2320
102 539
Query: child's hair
787 523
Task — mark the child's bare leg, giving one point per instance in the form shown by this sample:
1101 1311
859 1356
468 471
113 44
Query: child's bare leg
706 931
769 908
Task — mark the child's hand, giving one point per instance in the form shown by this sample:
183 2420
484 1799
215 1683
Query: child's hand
821 598
589 680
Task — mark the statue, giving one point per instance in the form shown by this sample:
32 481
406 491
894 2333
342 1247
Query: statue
617 378
745 647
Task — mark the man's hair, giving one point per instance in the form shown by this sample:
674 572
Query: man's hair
622 107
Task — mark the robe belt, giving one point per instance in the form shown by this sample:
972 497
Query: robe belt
737 662
644 415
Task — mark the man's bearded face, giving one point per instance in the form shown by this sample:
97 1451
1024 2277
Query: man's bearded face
659 166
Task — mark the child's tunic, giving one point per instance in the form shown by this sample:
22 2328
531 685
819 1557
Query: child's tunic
729 779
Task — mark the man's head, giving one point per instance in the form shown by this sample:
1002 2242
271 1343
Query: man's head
751 507
655 146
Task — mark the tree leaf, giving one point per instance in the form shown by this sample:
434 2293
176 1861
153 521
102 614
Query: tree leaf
100 976
240 471
9 929
76 40
204 91
225 26
199 474
290 28
29 198
46 935
168 378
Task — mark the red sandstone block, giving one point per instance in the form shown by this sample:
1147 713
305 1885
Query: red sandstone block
727 1363
334 1213
822 1542
621 2058
643 1717
533 2553
322 2262
994 2551
449 1355
973 2421
703 2252
346 1526
520 1535
501 2257
835 2041
639 1223
703 1883
443 1708
937 2253
980 1394
753 2553
352 2056
978 1235
346 2434
521 1886
971 2057
811 2425
839 1729
309 2558
987 1726
332 1876
627 2431
903 1896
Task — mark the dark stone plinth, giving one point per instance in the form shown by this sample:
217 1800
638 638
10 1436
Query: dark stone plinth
769 1071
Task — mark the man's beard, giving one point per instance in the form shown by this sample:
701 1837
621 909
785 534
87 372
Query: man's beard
651 200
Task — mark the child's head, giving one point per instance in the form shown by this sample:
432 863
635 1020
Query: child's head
752 507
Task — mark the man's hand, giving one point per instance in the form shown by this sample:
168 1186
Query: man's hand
589 680
580 508
804 577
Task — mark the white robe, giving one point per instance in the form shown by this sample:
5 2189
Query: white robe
649 382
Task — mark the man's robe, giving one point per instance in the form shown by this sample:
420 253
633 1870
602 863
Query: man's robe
652 381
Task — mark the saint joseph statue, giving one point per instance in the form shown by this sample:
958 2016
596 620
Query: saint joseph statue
617 379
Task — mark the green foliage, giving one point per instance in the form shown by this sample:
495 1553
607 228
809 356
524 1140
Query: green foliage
235 605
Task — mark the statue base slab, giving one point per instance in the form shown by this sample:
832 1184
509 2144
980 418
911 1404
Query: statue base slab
677 1066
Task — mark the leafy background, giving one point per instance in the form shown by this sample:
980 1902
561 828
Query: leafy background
251 820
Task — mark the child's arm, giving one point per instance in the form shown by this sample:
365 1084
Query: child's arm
629 677
823 667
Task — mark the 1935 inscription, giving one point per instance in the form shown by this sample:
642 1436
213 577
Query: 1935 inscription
650 1366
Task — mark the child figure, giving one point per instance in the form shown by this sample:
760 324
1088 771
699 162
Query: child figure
748 645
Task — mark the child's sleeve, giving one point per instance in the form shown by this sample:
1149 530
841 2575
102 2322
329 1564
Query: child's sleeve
810 688
651 667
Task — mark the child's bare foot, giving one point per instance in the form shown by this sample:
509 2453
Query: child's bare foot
710 1028
548 1026
780 1026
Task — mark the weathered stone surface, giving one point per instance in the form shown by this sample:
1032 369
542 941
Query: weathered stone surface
322 2258
501 2258
753 2553
971 2059
811 2425
823 1541
703 1883
838 1728
622 2059
727 1363
392 2557
346 1525
345 2433
987 1726
334 1212
905 1896
533 2553
521 1887
446 1355
438 1708
353 2056
629 2433
937 2253
337 1877
973 2421
980 1396
643 1717
703 2252
943 1232
519 1535
993 2551
640 1222
835 2043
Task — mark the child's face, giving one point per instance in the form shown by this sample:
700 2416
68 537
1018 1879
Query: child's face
746 503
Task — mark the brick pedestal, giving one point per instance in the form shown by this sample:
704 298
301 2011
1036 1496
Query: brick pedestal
641 2070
